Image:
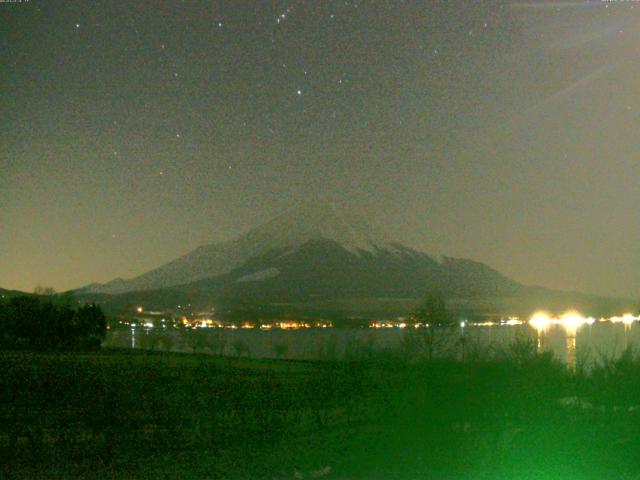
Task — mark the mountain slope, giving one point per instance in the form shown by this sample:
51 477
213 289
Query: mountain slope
323 269
12 293
319 256
288 231
323 272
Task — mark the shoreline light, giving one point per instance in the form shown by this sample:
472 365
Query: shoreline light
627 319
570 320
540 321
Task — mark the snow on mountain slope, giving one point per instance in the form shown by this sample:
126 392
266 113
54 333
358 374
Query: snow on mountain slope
260 275
318 221
290 230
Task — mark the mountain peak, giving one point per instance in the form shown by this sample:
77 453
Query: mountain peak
315 220
292 229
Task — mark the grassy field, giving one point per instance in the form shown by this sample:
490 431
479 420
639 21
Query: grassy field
124 414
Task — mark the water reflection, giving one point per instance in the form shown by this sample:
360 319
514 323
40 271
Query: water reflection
627 335
540 321
570 322
571 349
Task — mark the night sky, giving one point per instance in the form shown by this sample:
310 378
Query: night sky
132 132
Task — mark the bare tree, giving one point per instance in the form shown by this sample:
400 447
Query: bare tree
44 291
438 323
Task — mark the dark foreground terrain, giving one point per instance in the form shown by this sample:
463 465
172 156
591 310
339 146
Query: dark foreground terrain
516 415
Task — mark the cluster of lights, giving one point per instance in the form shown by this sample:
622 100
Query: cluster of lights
202 324
483 324
627 319
390 324
291 325
572 320
511 321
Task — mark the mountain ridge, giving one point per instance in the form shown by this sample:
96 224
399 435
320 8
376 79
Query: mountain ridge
320 255
289 230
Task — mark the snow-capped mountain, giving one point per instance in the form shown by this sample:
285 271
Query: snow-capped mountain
317 254
286 232
323 269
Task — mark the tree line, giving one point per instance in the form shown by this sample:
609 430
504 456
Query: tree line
41 323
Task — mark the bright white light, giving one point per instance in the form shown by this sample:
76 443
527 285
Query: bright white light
572 317
627 319
571 321
540 321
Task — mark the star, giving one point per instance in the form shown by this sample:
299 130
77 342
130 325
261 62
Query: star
283 16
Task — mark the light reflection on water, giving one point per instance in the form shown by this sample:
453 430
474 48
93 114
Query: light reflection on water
571 344
571 350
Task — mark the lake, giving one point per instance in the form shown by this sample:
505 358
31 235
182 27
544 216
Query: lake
586 343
